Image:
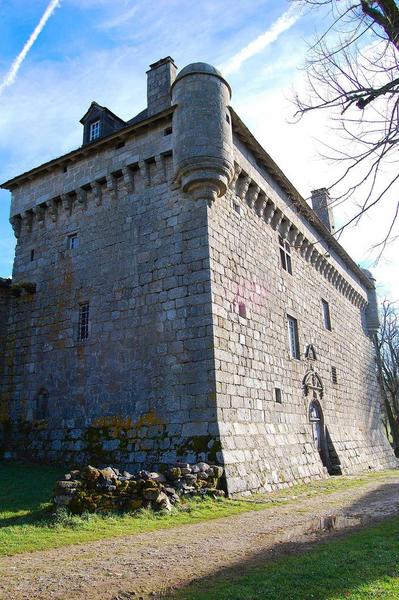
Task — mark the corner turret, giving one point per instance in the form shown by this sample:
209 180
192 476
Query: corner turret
372 316
202 133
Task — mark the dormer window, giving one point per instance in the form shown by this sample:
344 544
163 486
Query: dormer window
99 122
94 130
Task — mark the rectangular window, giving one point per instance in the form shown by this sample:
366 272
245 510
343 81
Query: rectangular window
32 255
278 395
293 337
94 131
285 254
73 241
326 315
83 321
242 310
334 377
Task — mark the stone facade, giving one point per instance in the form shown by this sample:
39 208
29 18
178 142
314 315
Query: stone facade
149 312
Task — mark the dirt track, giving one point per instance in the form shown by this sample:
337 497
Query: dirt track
146 565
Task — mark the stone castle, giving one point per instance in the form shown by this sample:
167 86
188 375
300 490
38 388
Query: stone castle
174 298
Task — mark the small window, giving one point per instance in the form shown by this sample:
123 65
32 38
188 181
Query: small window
334 377
293 337
94 131
228 118
167 131
84 321
32 255
73 241
278 395
41 407
285 254
326 315
119 145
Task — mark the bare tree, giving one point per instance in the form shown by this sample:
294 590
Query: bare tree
387 347
353 72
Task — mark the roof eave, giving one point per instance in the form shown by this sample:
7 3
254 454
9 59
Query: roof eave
84 150
260 153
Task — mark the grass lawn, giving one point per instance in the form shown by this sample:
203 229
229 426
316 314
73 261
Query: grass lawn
27 523
362 566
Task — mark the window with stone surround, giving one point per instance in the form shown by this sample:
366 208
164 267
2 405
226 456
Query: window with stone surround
41 405
334 377
83 327
242 310
94 132
73 241
326 314
293 337
278 396
285 254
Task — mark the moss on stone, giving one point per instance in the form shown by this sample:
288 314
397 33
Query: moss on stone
201 444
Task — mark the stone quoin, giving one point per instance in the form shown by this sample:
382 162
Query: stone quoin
174 298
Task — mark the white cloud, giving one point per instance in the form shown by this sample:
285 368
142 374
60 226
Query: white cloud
120 19
283 23
16 65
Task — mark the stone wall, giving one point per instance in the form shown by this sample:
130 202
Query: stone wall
140 389
267 444
5 294
188 304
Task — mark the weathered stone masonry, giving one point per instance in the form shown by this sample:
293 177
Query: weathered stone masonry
176 218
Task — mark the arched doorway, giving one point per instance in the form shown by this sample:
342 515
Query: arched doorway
316 420
322 439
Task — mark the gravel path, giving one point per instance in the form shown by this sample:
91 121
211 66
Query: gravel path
146 565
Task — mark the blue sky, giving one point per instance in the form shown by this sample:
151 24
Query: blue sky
99 50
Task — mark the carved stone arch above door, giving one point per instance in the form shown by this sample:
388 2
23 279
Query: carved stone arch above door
313 383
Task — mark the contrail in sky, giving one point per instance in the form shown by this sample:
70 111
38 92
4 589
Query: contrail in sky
12 73
283 23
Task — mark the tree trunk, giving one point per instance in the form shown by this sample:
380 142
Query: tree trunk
391 418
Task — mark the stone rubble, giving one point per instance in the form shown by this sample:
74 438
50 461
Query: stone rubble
100 490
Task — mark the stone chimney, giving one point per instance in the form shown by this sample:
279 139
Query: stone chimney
321 204
159 80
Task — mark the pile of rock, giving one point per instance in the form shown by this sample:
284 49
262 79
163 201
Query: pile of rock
101 490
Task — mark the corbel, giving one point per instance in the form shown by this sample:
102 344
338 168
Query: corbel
236 174
97 192
16 224
308 251
52 207
260 204
111 186
269 211
39 212
277 218
252 194
144 173
242 186
67 203
297 243
128 179
284 227
160 175
81 197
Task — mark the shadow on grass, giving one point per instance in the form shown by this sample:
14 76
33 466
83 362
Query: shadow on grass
25 489
357 564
